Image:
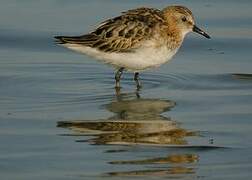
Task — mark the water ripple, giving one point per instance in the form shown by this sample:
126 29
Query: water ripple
197 81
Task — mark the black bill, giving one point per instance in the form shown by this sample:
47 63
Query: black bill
199 31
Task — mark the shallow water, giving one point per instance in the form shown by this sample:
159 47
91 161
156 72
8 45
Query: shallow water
60 117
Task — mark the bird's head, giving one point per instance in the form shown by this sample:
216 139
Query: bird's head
182 18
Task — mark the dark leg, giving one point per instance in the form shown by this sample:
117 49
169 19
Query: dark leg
118 93
136 78
118 77
137 93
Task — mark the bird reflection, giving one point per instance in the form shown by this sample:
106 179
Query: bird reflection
175 171
139 121
174 159
136 120
178 165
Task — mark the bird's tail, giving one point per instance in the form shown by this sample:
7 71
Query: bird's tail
63 39
85 39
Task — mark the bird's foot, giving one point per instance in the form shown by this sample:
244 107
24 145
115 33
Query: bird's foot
118 77
138 84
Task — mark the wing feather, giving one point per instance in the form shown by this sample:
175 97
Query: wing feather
122 33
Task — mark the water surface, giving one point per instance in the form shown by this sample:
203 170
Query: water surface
60 117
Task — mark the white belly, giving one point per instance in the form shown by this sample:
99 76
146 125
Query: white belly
141 59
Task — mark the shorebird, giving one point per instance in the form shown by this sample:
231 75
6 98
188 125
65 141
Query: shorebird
137 40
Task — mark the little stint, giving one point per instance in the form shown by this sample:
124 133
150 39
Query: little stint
137 40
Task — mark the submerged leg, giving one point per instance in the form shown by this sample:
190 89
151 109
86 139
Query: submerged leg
118 77
136 78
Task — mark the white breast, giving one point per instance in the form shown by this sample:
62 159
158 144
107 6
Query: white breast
141 59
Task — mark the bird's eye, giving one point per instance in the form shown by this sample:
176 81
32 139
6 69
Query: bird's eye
184 19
